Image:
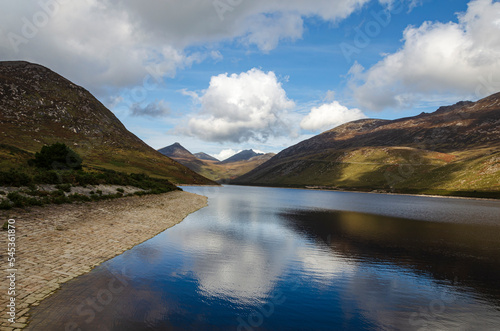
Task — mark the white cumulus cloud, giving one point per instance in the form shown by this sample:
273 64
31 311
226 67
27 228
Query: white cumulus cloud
330 115
120 43
241 107
437 59
225 154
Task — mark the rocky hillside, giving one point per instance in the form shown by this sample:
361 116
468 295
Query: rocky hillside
39 107
212 168
454 149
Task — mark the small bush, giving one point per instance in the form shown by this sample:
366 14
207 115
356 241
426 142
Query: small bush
17 199
47 177
5 204
120 190
15 177
20 200
79 197
64 187
60 200
158 191
31 192
58 193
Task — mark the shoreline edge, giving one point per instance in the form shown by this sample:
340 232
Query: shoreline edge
57 243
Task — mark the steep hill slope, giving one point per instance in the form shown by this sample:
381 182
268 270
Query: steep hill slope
39 107
454 150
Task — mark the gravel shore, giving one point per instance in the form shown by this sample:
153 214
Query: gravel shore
57 243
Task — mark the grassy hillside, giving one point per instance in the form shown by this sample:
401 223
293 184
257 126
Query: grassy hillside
39 107
454 151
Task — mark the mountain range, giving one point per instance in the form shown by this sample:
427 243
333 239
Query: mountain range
210 167
454 150
39 107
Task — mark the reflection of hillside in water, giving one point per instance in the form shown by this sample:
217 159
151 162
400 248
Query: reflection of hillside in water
468 254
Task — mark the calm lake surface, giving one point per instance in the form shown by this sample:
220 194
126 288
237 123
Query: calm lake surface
285 259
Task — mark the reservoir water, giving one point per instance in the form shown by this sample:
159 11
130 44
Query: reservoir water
285 259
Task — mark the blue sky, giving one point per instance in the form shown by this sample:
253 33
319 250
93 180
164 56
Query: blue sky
227 75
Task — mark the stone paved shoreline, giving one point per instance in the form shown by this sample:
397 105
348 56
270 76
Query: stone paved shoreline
57 243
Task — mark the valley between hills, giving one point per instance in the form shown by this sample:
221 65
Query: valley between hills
219 171
452 151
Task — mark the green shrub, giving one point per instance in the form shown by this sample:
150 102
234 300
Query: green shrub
20 200
64 187
60 200
58 193
15 177
5 204
33 193
57 156
47 177
17 199
79 197
120 190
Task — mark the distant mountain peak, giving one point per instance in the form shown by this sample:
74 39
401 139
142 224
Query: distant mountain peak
176 150
242 156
